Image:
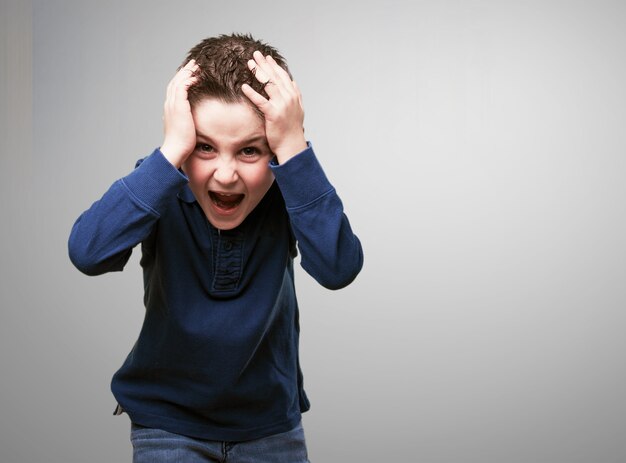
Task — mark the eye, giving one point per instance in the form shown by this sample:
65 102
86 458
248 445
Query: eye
204 151
250 152
204 148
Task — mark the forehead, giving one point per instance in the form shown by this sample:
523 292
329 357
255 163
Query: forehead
227 122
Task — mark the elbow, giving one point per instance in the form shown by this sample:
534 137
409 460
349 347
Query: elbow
341 275
78 251
93 267
335 283
81 260
94 252
89 262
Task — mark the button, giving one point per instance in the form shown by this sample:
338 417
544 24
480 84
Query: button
228 245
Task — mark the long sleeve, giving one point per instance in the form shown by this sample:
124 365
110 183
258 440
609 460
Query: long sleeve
331 252
103 237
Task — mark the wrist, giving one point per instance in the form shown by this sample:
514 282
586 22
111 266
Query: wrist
290 147
174 156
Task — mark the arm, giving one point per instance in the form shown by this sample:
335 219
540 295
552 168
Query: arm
103 237
331 253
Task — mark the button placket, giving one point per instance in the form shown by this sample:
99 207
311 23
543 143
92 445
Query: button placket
228 260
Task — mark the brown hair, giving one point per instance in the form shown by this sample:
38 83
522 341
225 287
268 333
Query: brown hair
224 69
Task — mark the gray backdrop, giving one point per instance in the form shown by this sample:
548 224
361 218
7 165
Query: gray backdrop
480 151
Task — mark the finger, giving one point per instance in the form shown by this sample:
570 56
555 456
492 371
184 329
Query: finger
266 74
279 71
179 91
184 78
295 86
177 94
189 74
269 84
261 61
282 79
260 75
257 99
190 66
185 72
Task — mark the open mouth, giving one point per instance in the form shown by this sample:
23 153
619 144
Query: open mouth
226 201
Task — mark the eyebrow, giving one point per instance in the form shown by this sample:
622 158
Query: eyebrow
248 141
255 139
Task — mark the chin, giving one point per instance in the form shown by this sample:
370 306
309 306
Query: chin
225 223
222 225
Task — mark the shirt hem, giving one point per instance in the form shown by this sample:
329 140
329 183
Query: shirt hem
207 432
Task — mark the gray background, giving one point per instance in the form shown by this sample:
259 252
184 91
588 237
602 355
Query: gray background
479 148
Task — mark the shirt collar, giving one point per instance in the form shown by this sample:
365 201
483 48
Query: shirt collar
185 194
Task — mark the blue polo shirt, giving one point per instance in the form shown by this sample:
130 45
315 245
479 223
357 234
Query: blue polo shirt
217 355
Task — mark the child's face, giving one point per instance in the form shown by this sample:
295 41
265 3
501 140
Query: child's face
228 170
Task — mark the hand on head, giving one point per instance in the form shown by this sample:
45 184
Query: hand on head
180 132
283 111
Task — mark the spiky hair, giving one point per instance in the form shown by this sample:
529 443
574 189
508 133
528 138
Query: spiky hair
224 69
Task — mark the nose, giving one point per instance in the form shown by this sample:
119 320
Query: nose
225 170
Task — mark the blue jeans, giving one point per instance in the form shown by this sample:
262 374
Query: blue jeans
156 446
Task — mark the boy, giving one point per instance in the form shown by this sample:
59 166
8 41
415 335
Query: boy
218 210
